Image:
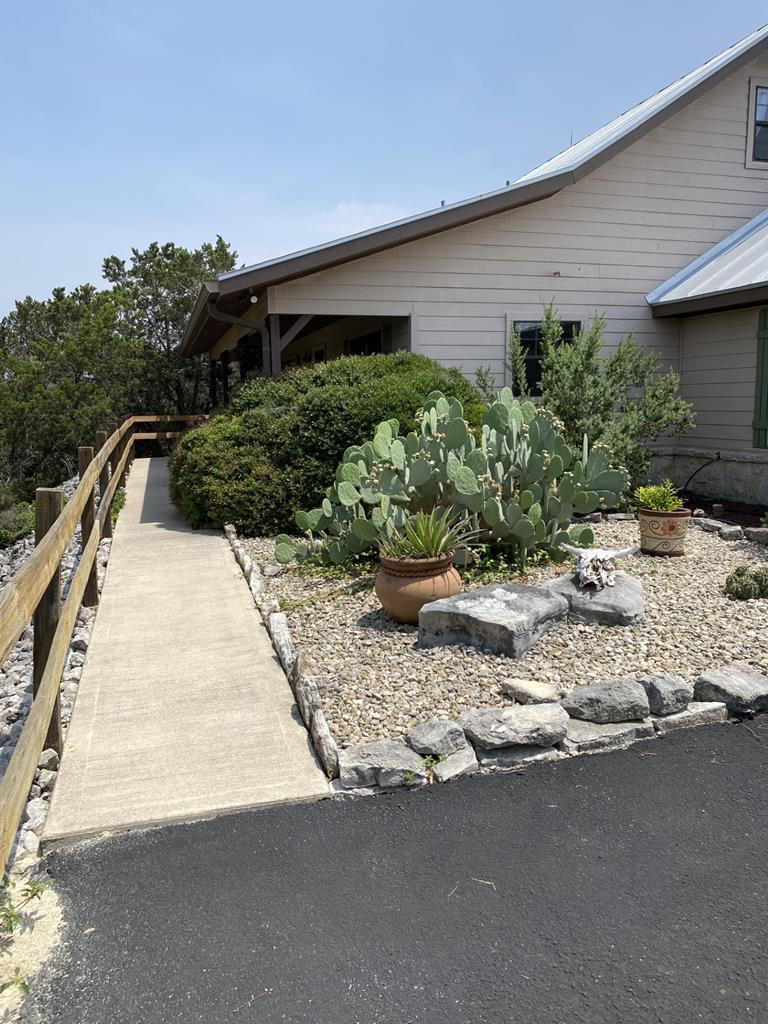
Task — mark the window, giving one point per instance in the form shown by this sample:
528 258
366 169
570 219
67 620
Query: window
530 339
757 140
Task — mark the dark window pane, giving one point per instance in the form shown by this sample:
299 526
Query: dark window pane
366 345
760 151
761 104
530 340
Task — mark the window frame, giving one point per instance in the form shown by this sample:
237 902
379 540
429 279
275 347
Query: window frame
751 162
512 322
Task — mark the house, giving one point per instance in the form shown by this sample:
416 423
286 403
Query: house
658 220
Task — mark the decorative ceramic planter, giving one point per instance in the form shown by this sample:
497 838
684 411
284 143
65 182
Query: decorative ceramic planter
663 533
404 585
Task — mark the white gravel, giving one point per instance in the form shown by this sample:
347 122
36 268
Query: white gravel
377 683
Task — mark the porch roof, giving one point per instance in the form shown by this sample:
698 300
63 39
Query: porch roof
732 274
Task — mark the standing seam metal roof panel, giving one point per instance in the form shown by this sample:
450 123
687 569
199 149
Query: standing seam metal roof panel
616 129
738 261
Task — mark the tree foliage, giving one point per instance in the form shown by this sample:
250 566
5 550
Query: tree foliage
80 360
624 399
158 288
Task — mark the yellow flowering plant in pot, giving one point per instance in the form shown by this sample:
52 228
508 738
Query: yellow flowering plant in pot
663 519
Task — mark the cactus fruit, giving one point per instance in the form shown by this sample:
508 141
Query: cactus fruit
519 483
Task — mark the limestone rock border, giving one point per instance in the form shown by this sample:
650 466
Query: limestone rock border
309 702
304 685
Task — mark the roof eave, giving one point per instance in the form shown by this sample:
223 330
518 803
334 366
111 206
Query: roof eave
713 302
370 243
198 316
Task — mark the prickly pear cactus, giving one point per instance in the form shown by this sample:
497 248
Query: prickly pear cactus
519 483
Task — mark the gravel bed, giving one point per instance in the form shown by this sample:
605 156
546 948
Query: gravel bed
377 683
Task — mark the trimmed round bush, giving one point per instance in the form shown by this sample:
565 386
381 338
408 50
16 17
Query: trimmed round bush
274 451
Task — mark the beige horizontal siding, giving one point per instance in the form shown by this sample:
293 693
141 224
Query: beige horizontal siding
718 369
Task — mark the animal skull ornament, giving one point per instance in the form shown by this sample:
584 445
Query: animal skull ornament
594 566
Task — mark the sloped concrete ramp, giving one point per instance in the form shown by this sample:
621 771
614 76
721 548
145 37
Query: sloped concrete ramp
182 711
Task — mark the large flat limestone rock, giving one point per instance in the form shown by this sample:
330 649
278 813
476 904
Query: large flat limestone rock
620 605
739 686
506 618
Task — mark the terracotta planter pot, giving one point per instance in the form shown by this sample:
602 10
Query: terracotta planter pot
404 585
663 533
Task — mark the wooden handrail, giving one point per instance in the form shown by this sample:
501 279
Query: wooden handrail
21 596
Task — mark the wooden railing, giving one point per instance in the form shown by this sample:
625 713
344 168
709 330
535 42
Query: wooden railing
34 593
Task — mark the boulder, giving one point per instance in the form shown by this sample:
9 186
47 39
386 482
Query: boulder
542 725
506 619
757 534
529 691
34 814
385 763
667 694
620 605
437 737
706 524
739 686
622 701
584 737
697 713
516 756
729 531
48 759
461 762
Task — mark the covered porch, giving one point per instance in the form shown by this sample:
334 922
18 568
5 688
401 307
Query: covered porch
280 340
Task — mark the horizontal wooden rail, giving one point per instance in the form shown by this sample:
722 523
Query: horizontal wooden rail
156 435
22 594
20 598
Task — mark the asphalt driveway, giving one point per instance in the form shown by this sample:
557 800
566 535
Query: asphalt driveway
624 887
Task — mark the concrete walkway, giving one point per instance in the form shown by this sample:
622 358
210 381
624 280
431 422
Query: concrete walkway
183 710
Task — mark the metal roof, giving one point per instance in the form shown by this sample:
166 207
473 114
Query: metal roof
738 262
595 143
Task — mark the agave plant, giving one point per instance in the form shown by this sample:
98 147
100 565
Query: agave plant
519 483
429 535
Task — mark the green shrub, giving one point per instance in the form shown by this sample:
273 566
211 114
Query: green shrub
16 522
278 446
745 584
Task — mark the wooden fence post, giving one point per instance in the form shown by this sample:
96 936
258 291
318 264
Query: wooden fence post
131 445
87 520
106 522
114 457
121 450
49 503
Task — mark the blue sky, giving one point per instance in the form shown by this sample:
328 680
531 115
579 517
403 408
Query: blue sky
280 126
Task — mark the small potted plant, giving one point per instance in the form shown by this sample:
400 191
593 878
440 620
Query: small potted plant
663 520
417 562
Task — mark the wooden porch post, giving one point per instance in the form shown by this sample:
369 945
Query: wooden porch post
213 397
225 377
275 359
